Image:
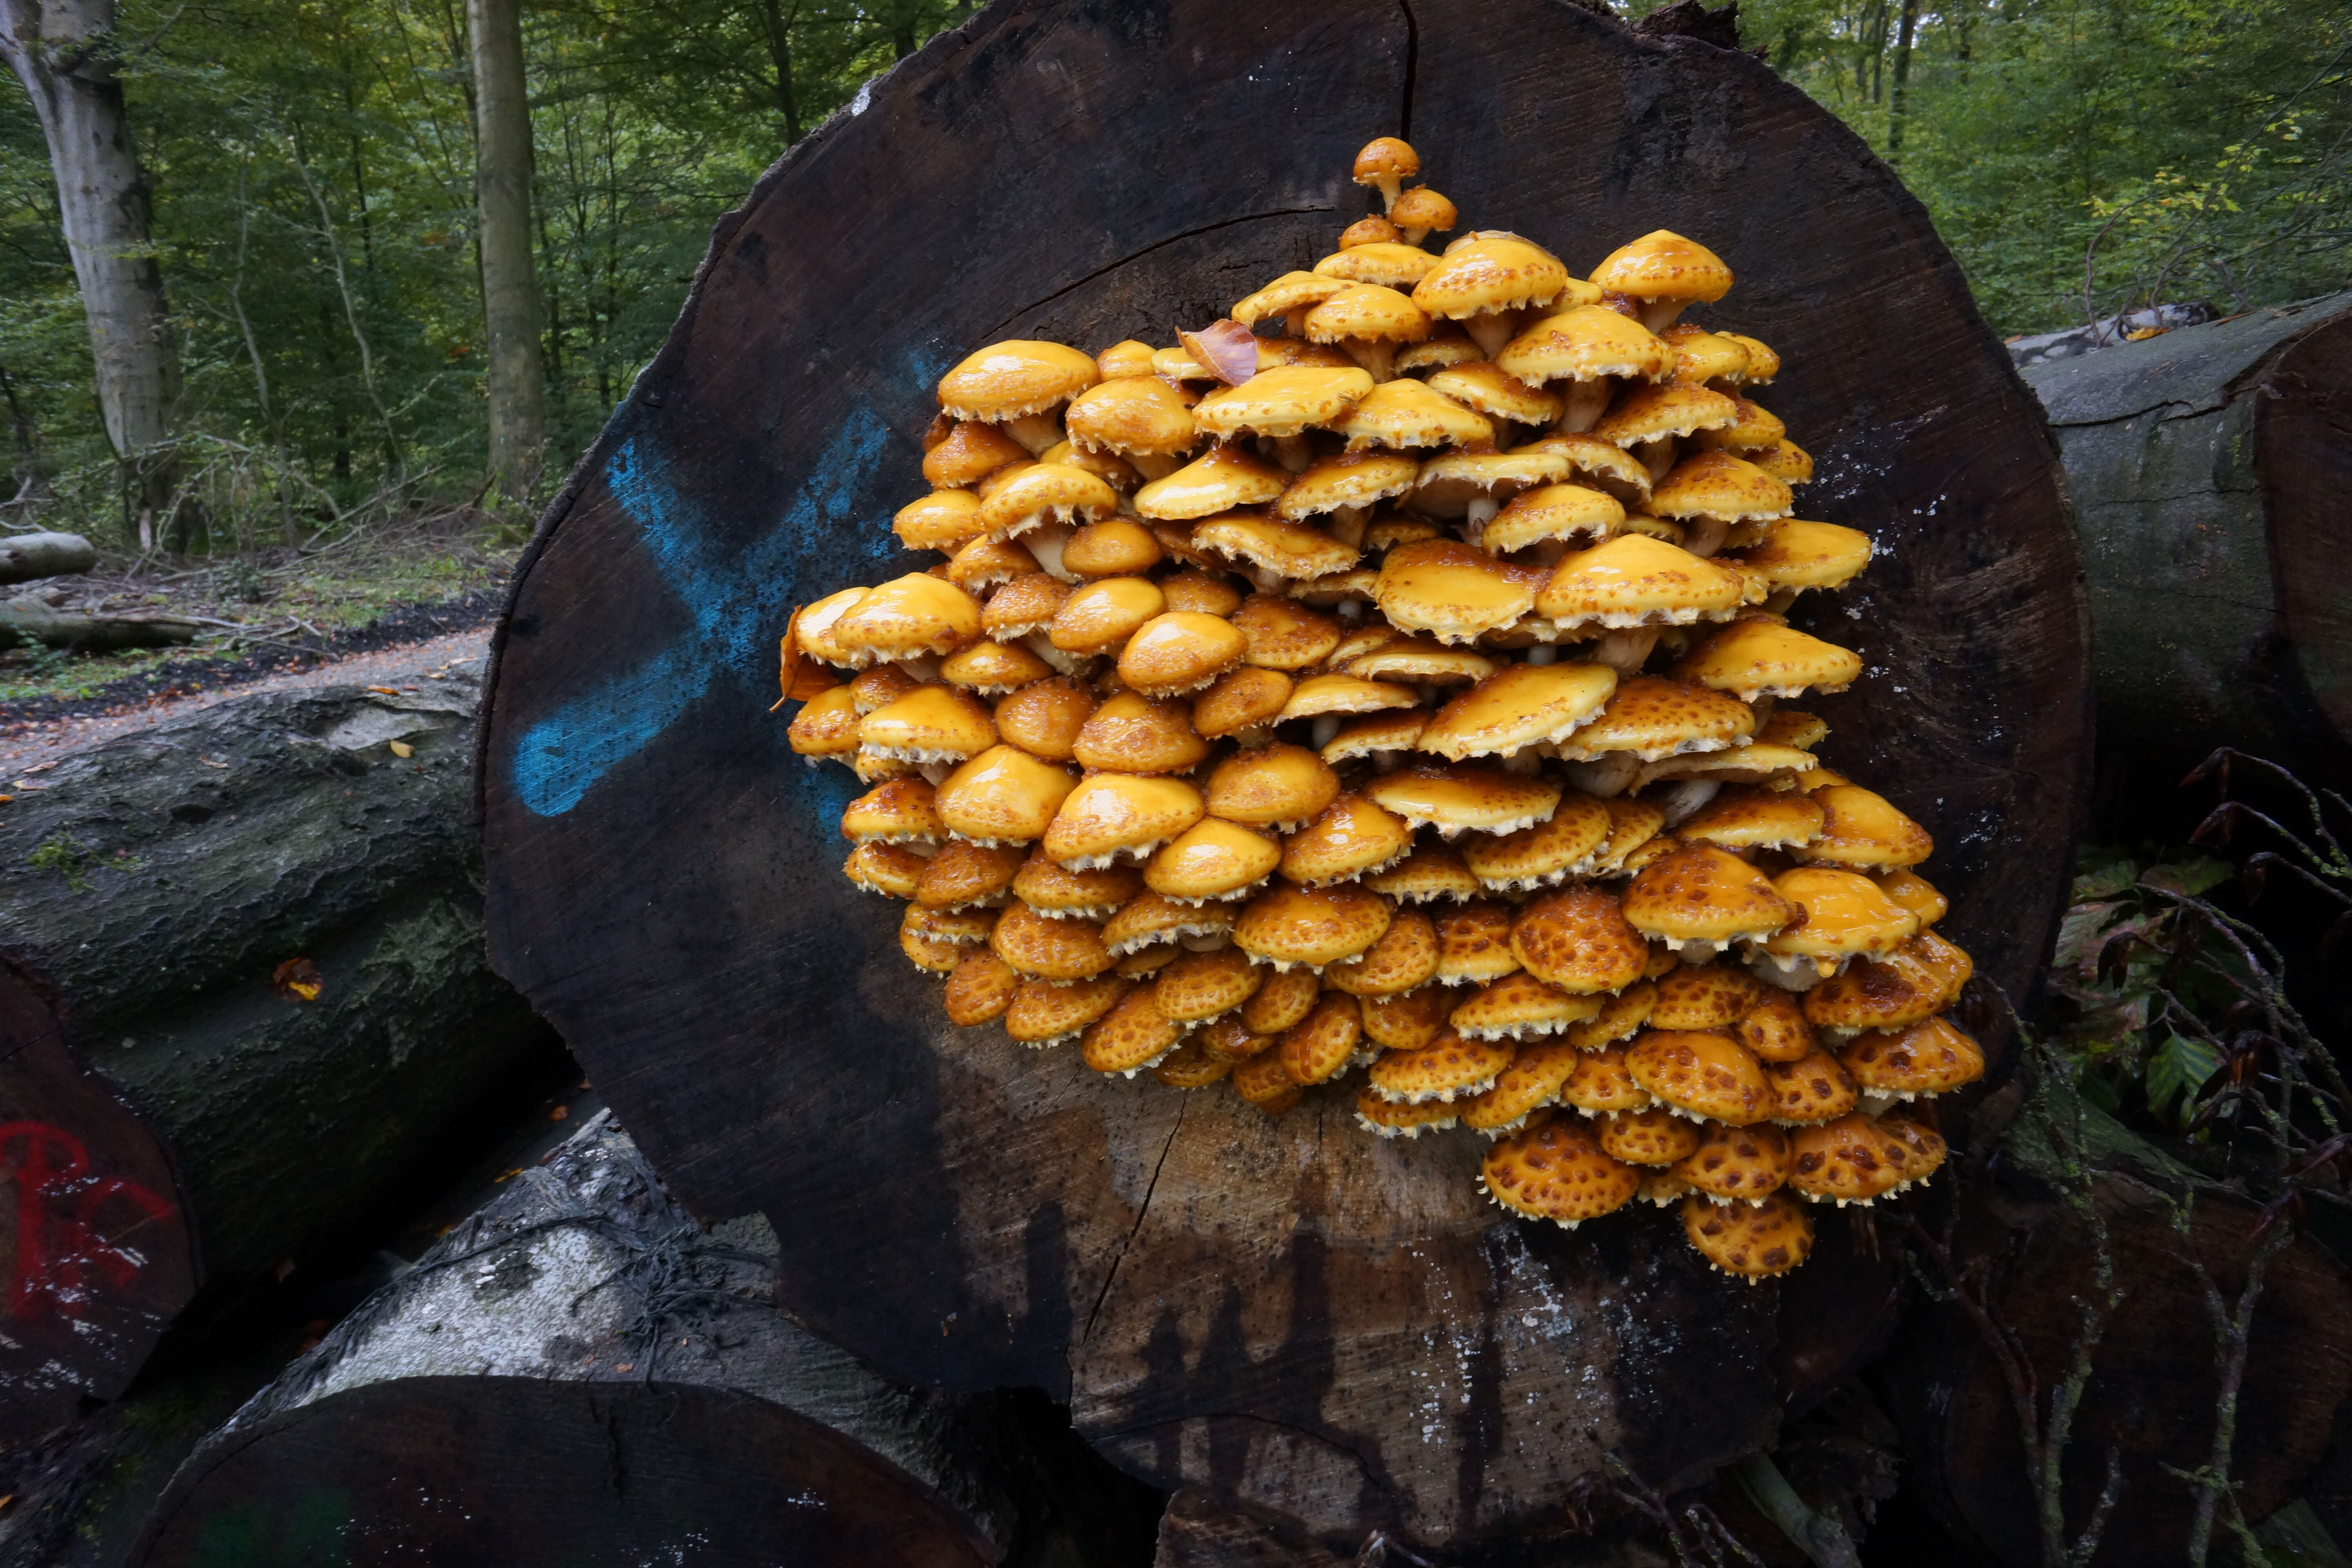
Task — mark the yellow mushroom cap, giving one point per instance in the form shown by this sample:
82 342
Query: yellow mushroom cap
1913 891
1703 996
1265 1082
1662 264
1150 919
1465 798
1243 699
1841 914
1043 947
1132 733
945 520
1427 872
1633 580
1863 831
1321 694
1404 414
992 668
1367 312
1352 837
1598 464
1043 718
1110 816
826 725
1231 1038
1717 485
1422 208
1701 356
1310 926
1202 591
1763 363
1532 1082
1124 360
1655 1137
1322 1045
1632 823
1133 1036
1282 634
1405 959
1418 661
1409 1021
1291 291
1577 940
1491 274
1448 1068
1601 1084
1752 429
985 563
1282 402
1391 264
1775 1028
1737 1163
1394 1119
1396 731
1003 796
1212 859
1279 786
1454 591
1914 1127
1019 376
1620 1017
1751 1242
1553 511
1780 767
1849 1159
948 928
1785 461
1024 604
1555 1170
891 869
1103 615
1385 160
1474 943
1443 347
1220 479
1191 1065
1112 548
1057 891
929 724
1180 651
1046 492
1747 817
1200 987
1752 658
916 613
980 990
1928 1057
1519 1005
1702 1075
1108 466
900 811
1452 481
964 874
968 454
1702 894
1667 409
1135 416
1286 549
1518 706
1350 480
1914 982
1583 344
1495 393
1287 996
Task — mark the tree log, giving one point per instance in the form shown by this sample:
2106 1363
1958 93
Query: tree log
27 556
25 621
2208 468
172 1111
579 1373
1289 1313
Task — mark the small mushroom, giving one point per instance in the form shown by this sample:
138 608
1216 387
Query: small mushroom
1775 1028
971 452
1555 1169
1702 358
1579 940
1016 384
929 724
1752 658
1735 1164
1044 719
1387 737
1111 817
1654 1137
1322 1045
1286 997
1290 297
1392 1118
1003 796
1601 1084
964 875
1385 164
1519 1006
1354 838
1201 988
1406 415
1133 1036
1191 1065
1265 1082
1841 916
1282 403
1700 900
1212 859
1702 1075
979 989
1104 614
1703 996
1465 798
1405 959
1408 1021
945 520
1368 321
1370 231
901 811
826 725
1929 1057
1546 855
1620 1017
1452 591
894 870
1518 707
1751 1243
1863 831
1447 1069
1754 429
1420 211
1114 547
1149 920
1310 927
1043 947
1221 479
1748 816
1474 943
1243 704
1849 1161
1485 282
1809 1092
1059 893
1140 419
1666 273
1179 651
1591 349
1272 551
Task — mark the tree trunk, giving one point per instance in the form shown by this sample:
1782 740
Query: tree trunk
63 52
2208 468
26 621
579 1373
1898 108
780 57
26 557
174 1112
502 175
1289 1313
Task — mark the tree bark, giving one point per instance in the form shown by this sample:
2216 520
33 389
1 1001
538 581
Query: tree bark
580 1373
172 1113
26 620
511 310
780 56
1898 109
63 52
26 557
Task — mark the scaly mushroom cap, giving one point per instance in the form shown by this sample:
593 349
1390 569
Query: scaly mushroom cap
1042 1013
993 669
1200 988
1491 274
1285 997
1775 1028
984 564
1448 1068
1620 1020
1653 717
1131 733
1452 591
916 613
1429 872
1520 705
1179 651
1798 555
963 874
1562 511
1474 944
1310 926
1841 913
1751 1242
1532 1081
826 725
814 628
1576 940
1650 526
1212 859
1929 1057
1386 163
1702 894
1452 481
1392 1118
1282 402
873 769
1265 1083
1747 817
929 724
1191 1065
1019 376
1785 461
1391 264
1699 1075
1352 837
1134 1034
1555 1170
979 989
1041 493
1321 694
1289 550
1403 414
1701 356
1061 893
1848 1160
1293 291
945 520
1914 892
902 811
1024 605
1498 393
1114 547
1044 948
1278 787
1231 1038
1320 1046
1150 919
1003 798
1245 698
1635 581
1044 718
1282 634
1420 661
1779 767
1864 831
1546 855
1599 465
1124 360
1601 1084
880 686
1112 817
1220 479
1719 485
1736 1163
1788 727
1914 1127
1763 364
1662 264
1653 1137
1465 798
1135 416
1753 429
1631 825
1754 658
1405 959
1809 1092
1704 997
891 869
1668 408
1409 1021
1444 347
1367 313
969 453
1101 616
1349 479
1519 1005
1337 587
1584 344
1389 733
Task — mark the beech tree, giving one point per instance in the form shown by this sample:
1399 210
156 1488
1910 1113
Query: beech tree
502 180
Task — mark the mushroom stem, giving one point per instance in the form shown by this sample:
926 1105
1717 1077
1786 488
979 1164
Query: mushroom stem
1779 600
1624 650
1415 236
1543 653
1392 186
1035 431
1294 452
1474 521
1490 330
1387 762
1605 776
1206 940
1045 543
1683 801
1347 525
1376 356
1154 465
1704 535
1264 579
1326 730
1659 314
1584 404
1657 455
1350 610
1523 761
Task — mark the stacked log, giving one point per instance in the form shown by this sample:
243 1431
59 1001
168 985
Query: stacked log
242 987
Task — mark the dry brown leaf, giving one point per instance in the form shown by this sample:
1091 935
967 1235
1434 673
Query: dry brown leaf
297 980
401 748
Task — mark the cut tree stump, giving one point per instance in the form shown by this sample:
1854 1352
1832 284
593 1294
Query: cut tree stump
25 557
172 1110
578 1374
2208 468
1292 1313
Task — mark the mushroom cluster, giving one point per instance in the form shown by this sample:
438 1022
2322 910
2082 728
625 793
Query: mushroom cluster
1393 676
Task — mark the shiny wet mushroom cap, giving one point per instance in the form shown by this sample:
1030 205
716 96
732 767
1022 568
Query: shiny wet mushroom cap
1555 1170
1012 382
1522 1008
1428 873
929 724
1149 920
1003 796
1577 940
1482 283
1322 1045
1406 415
1200 987
1466 798
1700 899
1310 927
1391 264
1620 1020
1848 1160
1447 1069
1553 514
1056 891
1180 651
1041 948
1133 1036
1562 846
1221 479
1809 1090
1351 838
1749 1242
1131 733
970 453
1044 718
902 811
1930 1057
1863 831
1474 943
1701 1074
904 617
1246 700
1394 1119
1666 272
1109 817
1351 479
1654 1137
1752 658
965 874
1405 959
826 725
980 988
1736 1164
1842 915
1385 164
1268 548
1281 402
1704 997
1212 859
1518 707
1452 591
893 870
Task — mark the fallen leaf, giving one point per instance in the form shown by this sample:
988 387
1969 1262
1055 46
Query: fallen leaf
297 980
560 1113
624 1366
387 690
1225 349
401 748
5 1501
7 799
505 1176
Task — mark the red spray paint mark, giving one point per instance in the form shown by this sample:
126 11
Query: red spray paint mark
60 1256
